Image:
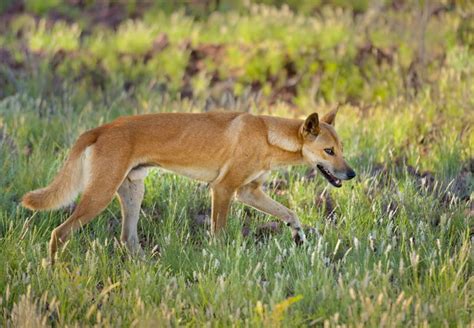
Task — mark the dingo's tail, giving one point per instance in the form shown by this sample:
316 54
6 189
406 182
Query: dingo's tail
68 182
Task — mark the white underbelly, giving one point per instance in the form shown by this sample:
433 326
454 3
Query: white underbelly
197 173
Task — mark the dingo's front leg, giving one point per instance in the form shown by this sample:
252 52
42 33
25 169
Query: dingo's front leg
221 199
253 195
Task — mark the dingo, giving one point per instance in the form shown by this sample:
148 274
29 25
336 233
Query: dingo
231 151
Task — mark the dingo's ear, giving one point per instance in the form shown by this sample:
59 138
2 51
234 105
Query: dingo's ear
330 118
311 125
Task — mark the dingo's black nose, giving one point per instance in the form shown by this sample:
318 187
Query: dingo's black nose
350 174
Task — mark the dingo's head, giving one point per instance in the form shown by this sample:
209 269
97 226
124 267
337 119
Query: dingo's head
323 149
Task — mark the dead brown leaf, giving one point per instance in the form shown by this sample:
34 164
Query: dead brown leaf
325 201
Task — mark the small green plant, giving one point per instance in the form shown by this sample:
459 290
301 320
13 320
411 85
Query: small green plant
40 7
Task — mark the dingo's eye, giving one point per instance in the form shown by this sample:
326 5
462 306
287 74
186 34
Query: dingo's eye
329 151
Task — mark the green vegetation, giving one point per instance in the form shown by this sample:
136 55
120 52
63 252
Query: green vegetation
393 247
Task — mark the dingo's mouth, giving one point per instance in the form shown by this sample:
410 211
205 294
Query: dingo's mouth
331 178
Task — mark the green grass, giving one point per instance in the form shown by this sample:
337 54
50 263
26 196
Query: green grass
397 252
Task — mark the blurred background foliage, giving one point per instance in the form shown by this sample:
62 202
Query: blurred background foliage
300 52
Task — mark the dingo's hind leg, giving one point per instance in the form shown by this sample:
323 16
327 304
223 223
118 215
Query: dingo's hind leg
131 194
100 190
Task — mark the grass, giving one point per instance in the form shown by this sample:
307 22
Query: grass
396 251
